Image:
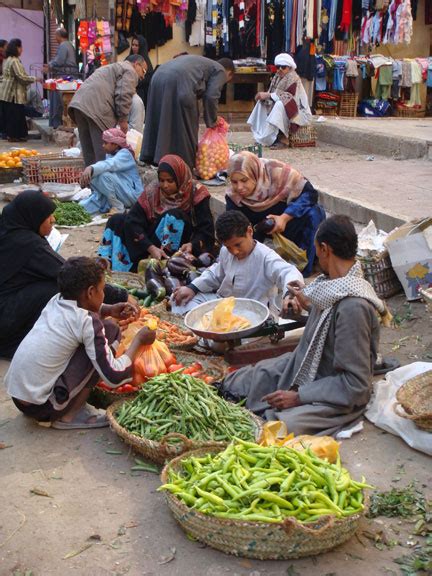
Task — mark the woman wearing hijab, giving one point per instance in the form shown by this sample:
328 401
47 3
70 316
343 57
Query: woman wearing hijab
324 385
173 213
262 188
115 181
283 108
29 267
139 46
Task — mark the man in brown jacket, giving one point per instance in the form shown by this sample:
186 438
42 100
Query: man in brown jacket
103 102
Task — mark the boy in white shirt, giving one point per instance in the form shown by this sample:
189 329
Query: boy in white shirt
245 268
70 348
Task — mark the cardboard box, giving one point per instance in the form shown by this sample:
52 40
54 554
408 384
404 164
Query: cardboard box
410 249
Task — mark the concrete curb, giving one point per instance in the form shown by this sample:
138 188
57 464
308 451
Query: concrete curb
376 143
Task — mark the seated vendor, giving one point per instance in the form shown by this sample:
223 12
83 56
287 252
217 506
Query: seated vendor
263 188
173 213
115 181
70 348
283 109
29 267
245 269
324 385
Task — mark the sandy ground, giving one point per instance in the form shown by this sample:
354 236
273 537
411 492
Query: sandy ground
118 524
101 519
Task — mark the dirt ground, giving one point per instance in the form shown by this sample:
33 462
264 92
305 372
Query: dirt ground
100 519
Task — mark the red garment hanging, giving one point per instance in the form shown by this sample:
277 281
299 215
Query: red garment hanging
345 22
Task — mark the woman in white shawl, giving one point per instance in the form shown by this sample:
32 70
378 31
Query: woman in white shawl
283 108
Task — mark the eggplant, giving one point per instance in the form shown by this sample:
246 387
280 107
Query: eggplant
265 226
187 256
205 260
156 289
178 265
154 269
171 283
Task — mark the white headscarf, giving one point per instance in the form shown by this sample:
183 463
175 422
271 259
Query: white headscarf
285 60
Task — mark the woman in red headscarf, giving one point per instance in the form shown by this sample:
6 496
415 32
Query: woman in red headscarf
172 213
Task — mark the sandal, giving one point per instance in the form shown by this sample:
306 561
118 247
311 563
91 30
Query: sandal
81 420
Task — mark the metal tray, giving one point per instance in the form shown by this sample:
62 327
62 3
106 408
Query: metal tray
253 310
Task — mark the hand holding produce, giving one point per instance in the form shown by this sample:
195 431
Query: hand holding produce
157 253
86 177
122 310
266 484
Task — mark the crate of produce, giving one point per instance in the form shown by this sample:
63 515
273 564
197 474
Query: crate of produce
254 148
53 168
262 519
414 400
11 163
379 272
348 104
304 137
409 112
175 413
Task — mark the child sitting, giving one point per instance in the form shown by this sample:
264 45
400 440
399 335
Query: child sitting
69 350
245 269
115 181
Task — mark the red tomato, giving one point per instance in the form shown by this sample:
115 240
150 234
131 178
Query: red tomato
175 367
119 390
189 370
129 388
208 379
103 386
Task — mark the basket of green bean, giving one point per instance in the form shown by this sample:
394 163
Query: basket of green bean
263 502
174 413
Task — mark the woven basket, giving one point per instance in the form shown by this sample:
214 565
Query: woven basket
379 272
163 451
415 397
348 104
304 137
261 540
402 112
52 168
426 294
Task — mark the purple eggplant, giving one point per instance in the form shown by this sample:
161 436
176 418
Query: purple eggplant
265 226
156 288
171 283
205 260
178 265
154 269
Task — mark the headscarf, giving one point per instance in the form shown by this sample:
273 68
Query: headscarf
324 294
190 193
275 181
285 60
143 51
117 136
19 230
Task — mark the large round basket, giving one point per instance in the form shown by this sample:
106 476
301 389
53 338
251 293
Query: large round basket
415 397
261 540
171 445
101 398
213 366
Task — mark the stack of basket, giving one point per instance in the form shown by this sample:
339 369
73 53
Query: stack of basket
405 112
348 104
378 270
304 137
52 168
415 397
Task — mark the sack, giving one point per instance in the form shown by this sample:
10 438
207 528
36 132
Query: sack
213 150
289 251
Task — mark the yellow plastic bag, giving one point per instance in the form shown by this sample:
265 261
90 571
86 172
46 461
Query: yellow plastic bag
275 433
289 251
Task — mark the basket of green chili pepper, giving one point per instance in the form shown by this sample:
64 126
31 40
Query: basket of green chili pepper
177 412
263 502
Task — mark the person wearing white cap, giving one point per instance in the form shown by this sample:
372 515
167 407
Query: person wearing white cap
283 108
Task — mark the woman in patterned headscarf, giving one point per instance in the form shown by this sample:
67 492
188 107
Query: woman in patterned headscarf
172 213
262 188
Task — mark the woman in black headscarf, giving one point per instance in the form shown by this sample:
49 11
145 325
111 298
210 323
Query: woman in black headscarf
139 46
29 267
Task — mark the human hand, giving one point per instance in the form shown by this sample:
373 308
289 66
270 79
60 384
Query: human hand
145 336
183 295
86 177
282 399
296 300
280 222
186 248
123 310
157 253
123 125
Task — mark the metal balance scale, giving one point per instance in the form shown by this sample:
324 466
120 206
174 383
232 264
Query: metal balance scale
272 335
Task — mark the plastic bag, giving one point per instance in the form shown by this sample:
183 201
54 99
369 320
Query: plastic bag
151 361
275 433
289 251
222 319
213 150
134 139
